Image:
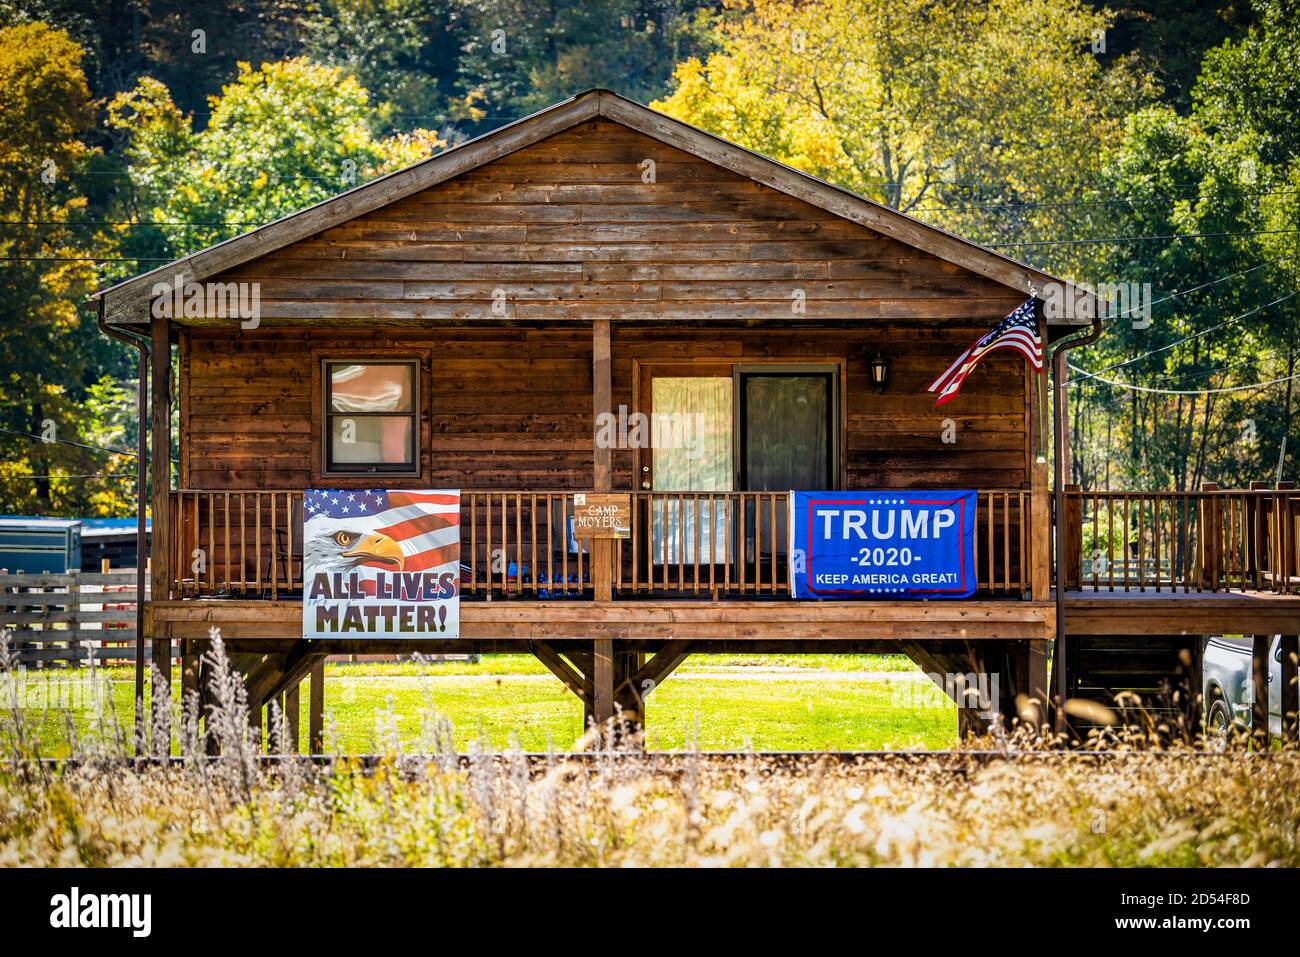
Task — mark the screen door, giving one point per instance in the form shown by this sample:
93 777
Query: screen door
787 441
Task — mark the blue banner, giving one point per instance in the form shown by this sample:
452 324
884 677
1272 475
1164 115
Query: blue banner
882 544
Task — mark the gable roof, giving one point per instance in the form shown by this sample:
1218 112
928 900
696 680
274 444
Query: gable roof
128 301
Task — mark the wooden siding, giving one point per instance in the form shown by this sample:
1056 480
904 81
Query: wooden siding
511 408
702 264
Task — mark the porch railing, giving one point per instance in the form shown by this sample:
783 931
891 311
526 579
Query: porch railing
519 544
1211 540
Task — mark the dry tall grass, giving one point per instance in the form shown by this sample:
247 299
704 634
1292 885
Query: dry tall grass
1029 806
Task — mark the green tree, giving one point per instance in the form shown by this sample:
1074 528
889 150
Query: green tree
1224 180
45 112
929 107
405 52
522 55
279 138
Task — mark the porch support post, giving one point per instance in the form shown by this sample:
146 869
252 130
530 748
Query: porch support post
292 714
316 710
602 681
1040 536
1259 678
602 549
161 476
190 691
1034 669
601 397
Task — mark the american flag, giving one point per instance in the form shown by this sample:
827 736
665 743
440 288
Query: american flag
1017 331
425 525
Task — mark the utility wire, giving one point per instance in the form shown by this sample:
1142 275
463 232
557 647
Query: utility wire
93 448
89 475
1044 242
1179 342
1172 237
1143 388
80 445
1129 201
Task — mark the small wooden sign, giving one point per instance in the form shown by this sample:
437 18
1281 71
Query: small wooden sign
602 515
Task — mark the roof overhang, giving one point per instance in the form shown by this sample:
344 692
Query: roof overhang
128 302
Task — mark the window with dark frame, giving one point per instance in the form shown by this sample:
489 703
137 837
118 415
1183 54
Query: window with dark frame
370 416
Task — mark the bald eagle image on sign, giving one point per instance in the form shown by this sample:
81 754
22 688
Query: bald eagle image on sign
381 564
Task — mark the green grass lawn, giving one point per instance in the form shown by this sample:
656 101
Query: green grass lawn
713 702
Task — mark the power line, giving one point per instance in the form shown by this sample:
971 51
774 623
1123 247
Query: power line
1126 201
1142 388
85 259
1205 285
1224 368
88 475
1204 332
80 445
110 222
157 259
1172 237
1215 282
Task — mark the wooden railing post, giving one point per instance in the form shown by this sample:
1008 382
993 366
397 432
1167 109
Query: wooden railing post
1073 530
1253 533
1211 536
1288 505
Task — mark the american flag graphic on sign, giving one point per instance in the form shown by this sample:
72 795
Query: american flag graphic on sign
396 531
1018 331
381 563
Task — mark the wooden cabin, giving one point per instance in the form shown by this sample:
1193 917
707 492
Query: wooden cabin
599 257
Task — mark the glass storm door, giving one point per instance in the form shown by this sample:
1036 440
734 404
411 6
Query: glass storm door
691 431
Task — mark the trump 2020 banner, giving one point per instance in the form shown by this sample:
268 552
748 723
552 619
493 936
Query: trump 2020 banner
887 544
381 564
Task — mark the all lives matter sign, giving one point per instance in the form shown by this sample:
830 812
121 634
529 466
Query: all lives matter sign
381 563
885 544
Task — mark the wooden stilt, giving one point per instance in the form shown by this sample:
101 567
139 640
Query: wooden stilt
1259 677
205 702
602 681
255 722
161 685
189 670
316 710
1290 679
292 708
630 704
282 705
1037 686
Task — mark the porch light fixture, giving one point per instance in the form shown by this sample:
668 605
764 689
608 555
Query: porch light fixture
879 372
